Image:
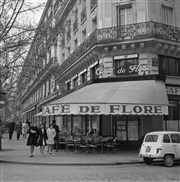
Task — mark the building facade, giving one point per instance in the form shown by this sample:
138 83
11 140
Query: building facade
111 65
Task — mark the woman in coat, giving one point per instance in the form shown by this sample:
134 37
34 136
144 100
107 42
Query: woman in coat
42 138
32 138
51 133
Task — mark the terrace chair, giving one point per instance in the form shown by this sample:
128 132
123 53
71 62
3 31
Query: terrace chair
70 145
109 145
83 146
92 146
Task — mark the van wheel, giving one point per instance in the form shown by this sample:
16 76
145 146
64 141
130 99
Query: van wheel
147 160
168 160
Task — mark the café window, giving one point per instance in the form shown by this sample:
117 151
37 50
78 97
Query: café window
123 66
75 81
172 120
169 66
68 85
94 75
84 77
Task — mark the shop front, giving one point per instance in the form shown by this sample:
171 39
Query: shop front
125 110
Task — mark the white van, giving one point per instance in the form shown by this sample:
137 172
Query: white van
161 145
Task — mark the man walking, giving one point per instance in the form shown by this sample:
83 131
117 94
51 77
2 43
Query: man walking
56 138
11 129
18 129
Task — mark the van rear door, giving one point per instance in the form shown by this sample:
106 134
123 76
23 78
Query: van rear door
149 145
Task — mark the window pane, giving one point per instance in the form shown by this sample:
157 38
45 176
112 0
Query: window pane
166 139
175 138
151 138
172 66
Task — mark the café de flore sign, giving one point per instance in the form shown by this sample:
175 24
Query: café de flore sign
99 109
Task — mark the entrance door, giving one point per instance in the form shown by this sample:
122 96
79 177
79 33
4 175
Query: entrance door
127 131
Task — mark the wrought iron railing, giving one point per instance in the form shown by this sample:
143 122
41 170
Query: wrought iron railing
83 15
93 4
75 25
121 33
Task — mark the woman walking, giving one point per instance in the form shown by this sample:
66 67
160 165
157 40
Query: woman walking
25 129
32 138
51 133
42 138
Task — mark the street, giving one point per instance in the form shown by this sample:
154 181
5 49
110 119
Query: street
124 173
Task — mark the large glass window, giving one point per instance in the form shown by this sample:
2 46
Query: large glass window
169 66
172 120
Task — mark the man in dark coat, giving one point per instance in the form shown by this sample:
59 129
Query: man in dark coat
11 126
18 129
56 138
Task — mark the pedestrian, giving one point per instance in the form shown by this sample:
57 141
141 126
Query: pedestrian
51 133
42 138
56 138
18 129
11 126
25 129
32 138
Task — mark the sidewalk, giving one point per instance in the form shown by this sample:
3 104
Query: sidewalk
17 152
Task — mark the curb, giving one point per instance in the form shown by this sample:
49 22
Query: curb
73 164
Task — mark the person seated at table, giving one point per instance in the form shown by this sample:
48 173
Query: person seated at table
90 134
76 131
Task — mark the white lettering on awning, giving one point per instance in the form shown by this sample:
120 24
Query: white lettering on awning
98 109
173 90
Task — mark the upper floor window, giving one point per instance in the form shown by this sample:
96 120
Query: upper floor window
75 82
84 77
124 15
167 15
94 75
68 85
169 66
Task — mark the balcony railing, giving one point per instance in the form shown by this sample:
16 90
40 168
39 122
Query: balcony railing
75 25
127 32
93 4
83 15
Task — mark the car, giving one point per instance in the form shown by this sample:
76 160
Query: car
163 145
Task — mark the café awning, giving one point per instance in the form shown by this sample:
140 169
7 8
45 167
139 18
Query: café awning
38 114
146 97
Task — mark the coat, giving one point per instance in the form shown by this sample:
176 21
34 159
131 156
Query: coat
51 133
11 126
42 137
33 136
25 128
18 128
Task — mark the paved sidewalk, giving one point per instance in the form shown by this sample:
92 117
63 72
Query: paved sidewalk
17 152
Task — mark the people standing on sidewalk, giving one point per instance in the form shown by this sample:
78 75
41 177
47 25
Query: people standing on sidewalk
32 138
25 129
56 138
18 129
51 133
11 126
42 138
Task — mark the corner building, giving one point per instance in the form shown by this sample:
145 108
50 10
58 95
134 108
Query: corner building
118 67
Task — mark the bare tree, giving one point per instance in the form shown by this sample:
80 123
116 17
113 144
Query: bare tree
16 34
